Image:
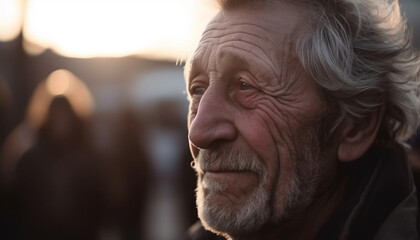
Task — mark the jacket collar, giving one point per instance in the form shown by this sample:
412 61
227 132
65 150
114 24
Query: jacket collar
379 181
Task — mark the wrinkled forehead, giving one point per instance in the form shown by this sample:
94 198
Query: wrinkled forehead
277 16
273 25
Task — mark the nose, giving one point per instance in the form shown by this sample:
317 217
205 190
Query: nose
213 122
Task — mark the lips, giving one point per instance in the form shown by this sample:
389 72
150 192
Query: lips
216 171
234 185
229 177
211 170
222 169
226 176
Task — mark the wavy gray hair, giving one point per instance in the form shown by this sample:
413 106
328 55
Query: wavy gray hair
359 52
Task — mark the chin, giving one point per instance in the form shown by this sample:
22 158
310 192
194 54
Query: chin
224 217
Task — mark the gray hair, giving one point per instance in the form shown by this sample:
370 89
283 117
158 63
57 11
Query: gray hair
359 52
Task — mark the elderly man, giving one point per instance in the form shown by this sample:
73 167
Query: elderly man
298 109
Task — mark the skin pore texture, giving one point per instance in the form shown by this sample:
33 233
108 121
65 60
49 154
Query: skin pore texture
253 122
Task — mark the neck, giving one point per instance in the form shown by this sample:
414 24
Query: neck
308 222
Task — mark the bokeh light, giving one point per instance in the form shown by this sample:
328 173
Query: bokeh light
59 82
10 19
161 29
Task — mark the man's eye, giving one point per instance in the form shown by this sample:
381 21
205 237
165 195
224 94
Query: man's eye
246 86
198 91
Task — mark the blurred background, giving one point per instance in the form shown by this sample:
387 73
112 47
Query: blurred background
93 117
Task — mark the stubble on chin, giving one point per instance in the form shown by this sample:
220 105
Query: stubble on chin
231 218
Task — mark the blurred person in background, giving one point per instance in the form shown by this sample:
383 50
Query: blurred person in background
130 172
52 178
5 109
57 185
10 228
5 114
15 144
299 112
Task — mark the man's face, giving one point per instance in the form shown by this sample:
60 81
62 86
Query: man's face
253 118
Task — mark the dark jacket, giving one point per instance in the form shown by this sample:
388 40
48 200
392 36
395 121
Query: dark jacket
382 202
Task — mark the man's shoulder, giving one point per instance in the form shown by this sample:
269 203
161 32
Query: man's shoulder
198 232
402 222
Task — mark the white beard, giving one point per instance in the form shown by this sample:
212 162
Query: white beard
234 220
231 219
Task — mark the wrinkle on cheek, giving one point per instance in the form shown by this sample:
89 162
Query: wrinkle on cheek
248 101
282 125
277 145
282 136
298 103
274 122
285 112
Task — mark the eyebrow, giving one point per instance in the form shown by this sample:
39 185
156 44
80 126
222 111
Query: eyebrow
227 59
235 59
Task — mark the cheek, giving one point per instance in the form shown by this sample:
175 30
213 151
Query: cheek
259 138
271 132
267 129
262 135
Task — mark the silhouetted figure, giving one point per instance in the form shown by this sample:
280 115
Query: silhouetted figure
133 163
9 225
58 185
5 109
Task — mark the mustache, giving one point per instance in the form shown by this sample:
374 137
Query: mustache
228 159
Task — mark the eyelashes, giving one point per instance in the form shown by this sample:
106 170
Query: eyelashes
200 90
246 86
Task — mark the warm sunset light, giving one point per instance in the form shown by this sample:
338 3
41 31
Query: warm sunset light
80 28
10 19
